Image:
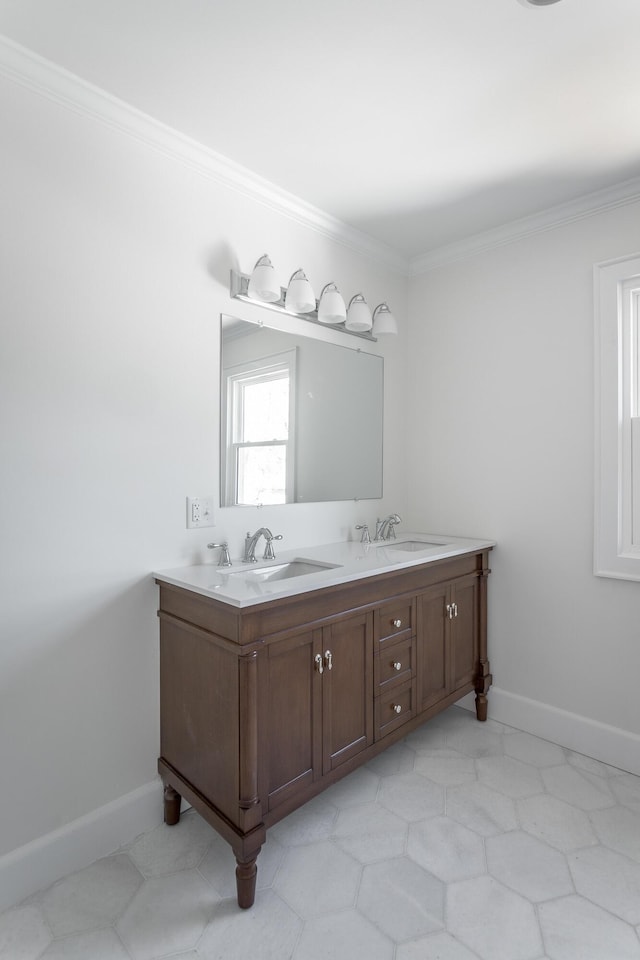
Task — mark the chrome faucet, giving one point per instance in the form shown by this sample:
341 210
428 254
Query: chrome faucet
385 529
365 538
225 559
251 540
268 547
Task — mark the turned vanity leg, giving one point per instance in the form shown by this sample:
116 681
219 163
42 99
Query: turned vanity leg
483 682
483 677
171 805
246 871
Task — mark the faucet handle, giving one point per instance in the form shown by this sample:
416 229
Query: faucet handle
269 553
365 538
394 520
225 559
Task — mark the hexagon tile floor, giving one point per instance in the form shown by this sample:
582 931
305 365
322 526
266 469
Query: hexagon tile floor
466 841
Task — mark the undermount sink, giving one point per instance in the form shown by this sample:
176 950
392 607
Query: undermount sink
410 546
284 571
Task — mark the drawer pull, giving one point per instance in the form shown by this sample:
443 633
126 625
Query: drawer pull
396 707
397 624
396 665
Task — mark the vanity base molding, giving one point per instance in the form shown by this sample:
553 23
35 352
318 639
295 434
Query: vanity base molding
264 707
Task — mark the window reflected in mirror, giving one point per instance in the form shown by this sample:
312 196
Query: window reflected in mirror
260 453
301 418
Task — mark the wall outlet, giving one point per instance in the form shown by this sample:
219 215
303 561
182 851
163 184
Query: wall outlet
200 512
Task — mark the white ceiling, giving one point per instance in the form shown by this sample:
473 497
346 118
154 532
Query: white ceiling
419 122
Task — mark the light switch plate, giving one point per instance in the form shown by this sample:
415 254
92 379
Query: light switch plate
200 512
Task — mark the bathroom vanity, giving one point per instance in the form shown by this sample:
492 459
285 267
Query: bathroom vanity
277 681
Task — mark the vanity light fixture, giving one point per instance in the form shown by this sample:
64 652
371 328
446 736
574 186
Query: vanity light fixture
299 297
358 314
298 300
263 284
384 321
331 306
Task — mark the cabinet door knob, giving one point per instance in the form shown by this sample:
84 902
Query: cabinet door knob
396 665
328 659
319 660
397 624
396 707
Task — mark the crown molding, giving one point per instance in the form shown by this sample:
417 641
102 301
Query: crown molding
43 77
588 205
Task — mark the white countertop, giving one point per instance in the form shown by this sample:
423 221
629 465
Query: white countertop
241 585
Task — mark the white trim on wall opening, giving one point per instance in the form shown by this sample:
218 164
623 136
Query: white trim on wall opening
617 418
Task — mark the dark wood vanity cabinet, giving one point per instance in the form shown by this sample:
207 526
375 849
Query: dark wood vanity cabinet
315 705
449 628
262 707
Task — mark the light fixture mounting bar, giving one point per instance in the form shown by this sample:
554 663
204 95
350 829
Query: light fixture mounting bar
239 290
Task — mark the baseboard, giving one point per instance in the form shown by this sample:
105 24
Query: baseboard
611 745
35 865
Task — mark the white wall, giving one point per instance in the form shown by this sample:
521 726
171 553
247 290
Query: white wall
501 403
114 264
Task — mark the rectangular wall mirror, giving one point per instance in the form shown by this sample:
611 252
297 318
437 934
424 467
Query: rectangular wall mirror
301 418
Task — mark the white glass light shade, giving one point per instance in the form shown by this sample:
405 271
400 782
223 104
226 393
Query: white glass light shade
384 321
264 284
331 307
358 314
300 297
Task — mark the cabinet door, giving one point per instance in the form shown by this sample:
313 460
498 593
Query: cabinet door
463 644
292 716
347 685
432 653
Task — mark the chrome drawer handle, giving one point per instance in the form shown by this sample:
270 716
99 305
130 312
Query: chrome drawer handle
396 665
397 624
396 708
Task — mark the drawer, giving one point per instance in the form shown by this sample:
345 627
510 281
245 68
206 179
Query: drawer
395 663
395 707
394 620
